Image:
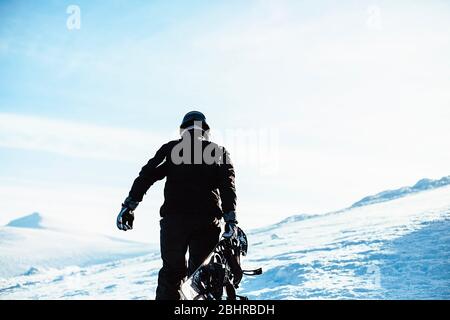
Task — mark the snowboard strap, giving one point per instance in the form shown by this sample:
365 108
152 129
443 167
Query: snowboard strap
234 264
253 272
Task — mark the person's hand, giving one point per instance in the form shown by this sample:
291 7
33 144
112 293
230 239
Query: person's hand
126 216
230 230
230 225
125 219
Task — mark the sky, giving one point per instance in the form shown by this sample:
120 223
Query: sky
319 103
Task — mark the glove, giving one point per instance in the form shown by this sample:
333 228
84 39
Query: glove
126 215
230 224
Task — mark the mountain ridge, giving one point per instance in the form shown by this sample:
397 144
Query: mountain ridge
31 221
421 185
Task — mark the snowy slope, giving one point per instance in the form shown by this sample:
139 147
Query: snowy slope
29 244
394 249
421 185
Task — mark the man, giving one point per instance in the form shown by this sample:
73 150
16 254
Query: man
199 191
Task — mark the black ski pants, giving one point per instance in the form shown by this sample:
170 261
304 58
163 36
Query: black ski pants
180 233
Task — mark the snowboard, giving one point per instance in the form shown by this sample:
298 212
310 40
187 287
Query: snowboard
220 271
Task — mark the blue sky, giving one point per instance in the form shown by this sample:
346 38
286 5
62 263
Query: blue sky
353 95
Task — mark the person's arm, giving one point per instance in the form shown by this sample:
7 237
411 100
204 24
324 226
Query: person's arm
227 186
227 191
154 170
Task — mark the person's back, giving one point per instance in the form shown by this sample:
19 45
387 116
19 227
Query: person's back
194 188
199 190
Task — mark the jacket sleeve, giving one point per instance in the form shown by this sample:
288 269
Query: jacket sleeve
226 183
154 170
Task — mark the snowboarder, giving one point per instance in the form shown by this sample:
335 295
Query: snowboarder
199 191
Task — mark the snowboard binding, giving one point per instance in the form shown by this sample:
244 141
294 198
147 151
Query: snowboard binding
221 269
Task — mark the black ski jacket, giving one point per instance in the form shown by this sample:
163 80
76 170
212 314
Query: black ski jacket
194 189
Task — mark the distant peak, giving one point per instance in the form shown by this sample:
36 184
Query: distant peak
421 185
31 221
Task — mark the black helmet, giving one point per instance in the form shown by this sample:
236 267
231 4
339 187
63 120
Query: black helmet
194 116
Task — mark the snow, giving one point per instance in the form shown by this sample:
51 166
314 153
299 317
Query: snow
386 250
421 185
398 248
30 244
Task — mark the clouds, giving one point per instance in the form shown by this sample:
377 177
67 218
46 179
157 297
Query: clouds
75 139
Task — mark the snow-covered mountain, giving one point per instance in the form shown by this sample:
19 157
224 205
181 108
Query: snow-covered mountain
32 221
396 249
33 243
389 247
421 185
